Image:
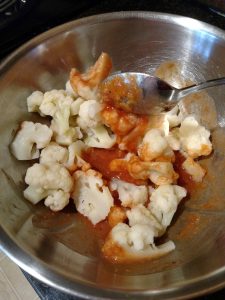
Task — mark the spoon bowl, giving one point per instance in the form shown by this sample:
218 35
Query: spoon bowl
156 94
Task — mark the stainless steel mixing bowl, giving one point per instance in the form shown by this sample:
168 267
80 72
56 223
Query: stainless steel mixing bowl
57 249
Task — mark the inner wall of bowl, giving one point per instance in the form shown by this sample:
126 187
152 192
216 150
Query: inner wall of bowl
135 44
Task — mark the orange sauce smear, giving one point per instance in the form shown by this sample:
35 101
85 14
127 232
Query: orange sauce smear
119 93
100 160
184 179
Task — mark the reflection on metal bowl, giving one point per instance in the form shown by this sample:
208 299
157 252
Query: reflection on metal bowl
59 249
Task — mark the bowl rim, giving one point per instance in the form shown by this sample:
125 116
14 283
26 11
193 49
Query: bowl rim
37 268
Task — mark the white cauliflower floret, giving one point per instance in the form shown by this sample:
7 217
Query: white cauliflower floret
89 114
68 137
173 139
91 197
141 215
154 145
194 138
126 243
35 194
53 101
172 119
70 91
57 103
129 194
54 153
57 200
99 137
75 106
52 181
194 169
75 152
164 201
34 101
49 177
29 139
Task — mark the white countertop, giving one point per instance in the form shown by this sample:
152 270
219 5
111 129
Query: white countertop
13 284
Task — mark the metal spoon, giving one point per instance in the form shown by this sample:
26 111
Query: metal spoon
158 94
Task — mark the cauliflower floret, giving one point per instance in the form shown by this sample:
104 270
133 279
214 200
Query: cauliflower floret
129 194
75 152
173 139
155 145
172 119
53 101
89 114
54 153
70 91
57 200
68 137
194 138
75 106
29 139
116 215
162 173
35 194
86 85
57 103
141 215
91 197
99 137
164 201
49 177
194 169
34 101
126 243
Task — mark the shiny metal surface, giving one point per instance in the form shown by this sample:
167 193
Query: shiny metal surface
56 249
157 93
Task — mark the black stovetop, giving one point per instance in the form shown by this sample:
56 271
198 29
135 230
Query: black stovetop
25 19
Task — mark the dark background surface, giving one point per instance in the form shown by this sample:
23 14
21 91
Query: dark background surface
41 15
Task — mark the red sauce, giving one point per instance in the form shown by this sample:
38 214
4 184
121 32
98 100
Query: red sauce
100 160
184 179
128 127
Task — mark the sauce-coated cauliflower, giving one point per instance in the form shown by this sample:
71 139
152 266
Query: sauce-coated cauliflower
29 139
164 201
158 172
129 194
91 197
194 169
126 243
194 138
153 145
85 85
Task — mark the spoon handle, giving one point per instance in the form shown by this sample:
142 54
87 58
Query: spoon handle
201 86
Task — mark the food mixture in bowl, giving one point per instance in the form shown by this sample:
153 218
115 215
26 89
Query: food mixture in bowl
128 170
